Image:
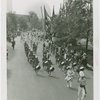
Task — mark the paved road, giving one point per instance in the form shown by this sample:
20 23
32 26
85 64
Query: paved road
23 84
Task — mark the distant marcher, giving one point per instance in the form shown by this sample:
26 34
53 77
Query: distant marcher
69 77
50 68
13 44
36 65
30 56
57 57
84 60
36 61
7 54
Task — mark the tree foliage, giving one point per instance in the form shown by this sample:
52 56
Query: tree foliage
17 22
75 19
22 23
34 21
11 25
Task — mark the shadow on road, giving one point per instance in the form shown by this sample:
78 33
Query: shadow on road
41 76
54 77
51 77
88 78
74 89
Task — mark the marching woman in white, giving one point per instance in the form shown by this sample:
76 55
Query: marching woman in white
82 85
69 77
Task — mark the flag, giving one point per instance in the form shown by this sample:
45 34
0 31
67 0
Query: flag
47 22
53 13
53 21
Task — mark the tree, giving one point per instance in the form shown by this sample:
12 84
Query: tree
75 20
23 23
34 21
11 25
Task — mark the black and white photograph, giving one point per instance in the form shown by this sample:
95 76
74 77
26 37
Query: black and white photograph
49 49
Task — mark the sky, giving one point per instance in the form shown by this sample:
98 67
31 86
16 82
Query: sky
24 6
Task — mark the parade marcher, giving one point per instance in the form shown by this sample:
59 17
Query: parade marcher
63 64
33 60
82 88
53 48
49 67
48 55
43 45
36 47
33 46
13 44
36 64
66 66
82 85
7 54
84 60
65 55
36 61
49 44
26 49
69 77
57 57
49 64
44 60
77 57
30 56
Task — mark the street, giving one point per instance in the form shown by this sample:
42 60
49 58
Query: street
24 84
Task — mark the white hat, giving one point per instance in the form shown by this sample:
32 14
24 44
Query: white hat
81 67
69 59
46 61
37 66
36 56
62 62
74 63
81 73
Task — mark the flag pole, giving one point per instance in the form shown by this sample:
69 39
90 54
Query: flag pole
42 19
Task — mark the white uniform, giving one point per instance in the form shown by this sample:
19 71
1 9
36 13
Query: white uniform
65 56
69 77
81 89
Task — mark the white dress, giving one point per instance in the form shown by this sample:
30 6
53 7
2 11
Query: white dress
69 76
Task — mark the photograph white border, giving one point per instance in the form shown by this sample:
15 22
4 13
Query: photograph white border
96 37
3 63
